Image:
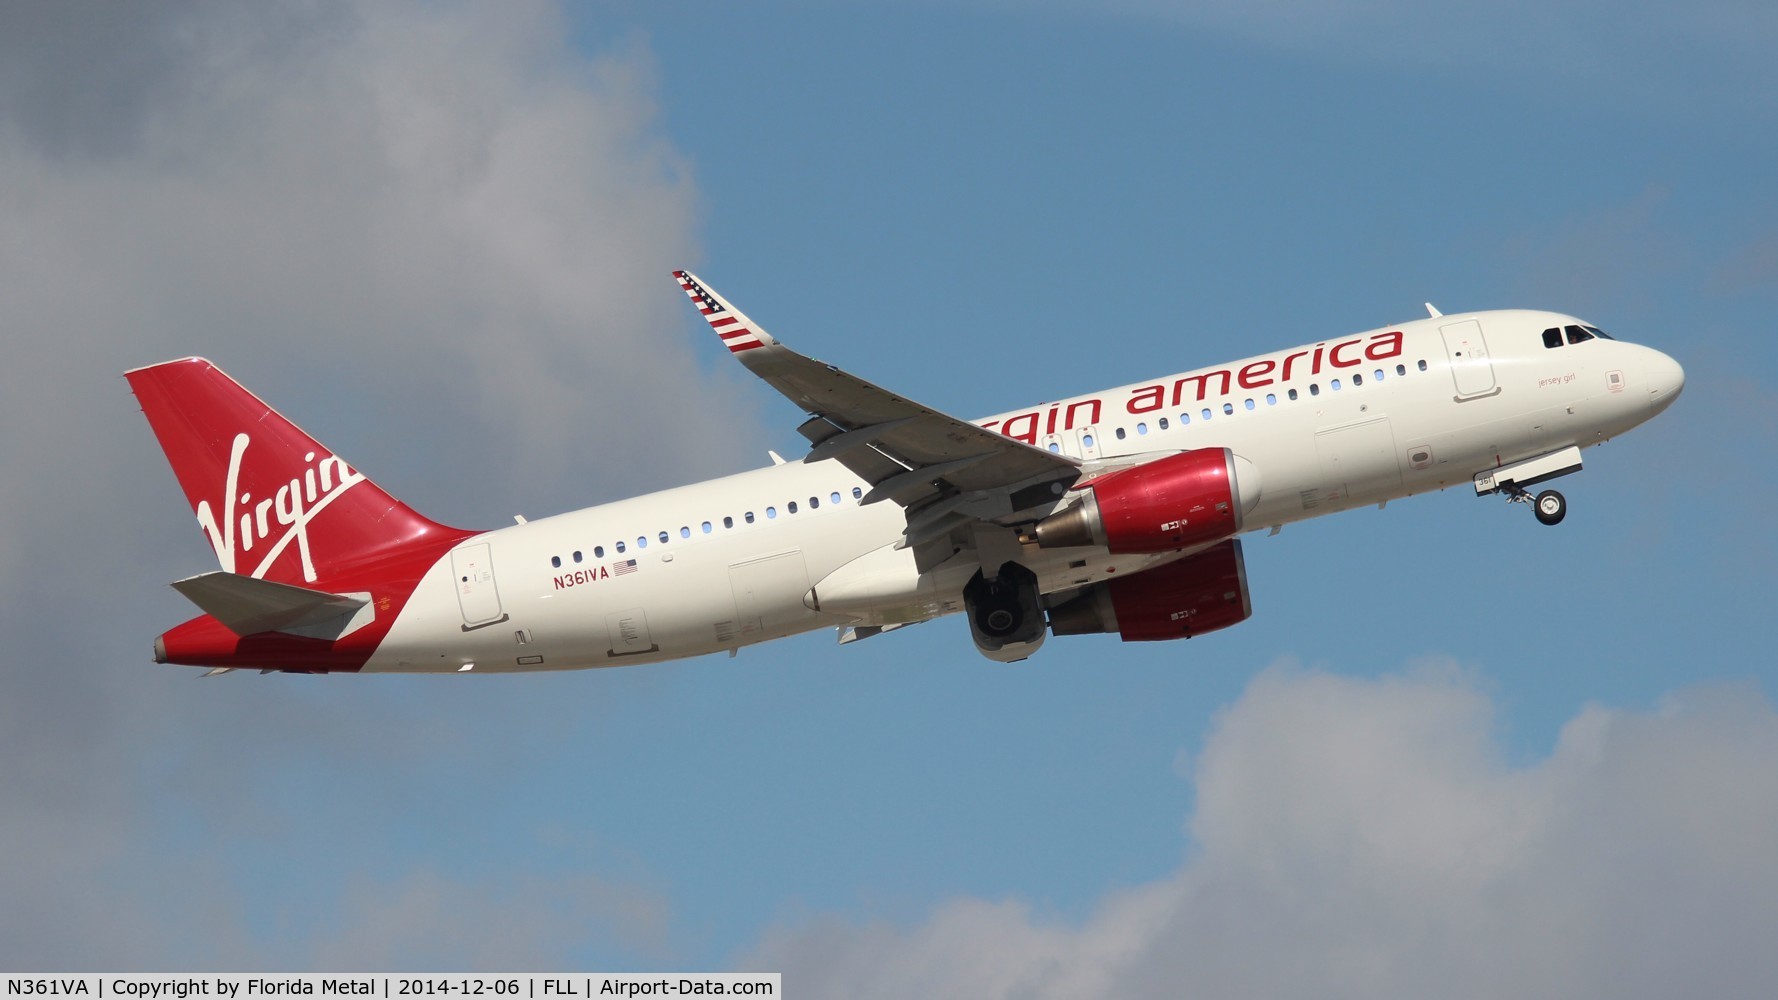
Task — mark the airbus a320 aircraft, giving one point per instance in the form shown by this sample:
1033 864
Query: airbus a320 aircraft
1117 511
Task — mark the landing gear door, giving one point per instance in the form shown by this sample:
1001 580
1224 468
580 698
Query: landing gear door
472 567
1471 368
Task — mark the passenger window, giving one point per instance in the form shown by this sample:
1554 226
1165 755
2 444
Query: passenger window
1552 337
1161 423
1185 418
1086 440
1401 369
598 552
1227 409
620 547
1120 433
642 541
685 532
791 506
1378 374
1357 379
771 513
1055 448
706 527
1292 395
577 556
1422 365
814 502
1334 384
1250 404
1271 399
1314 389
836 496
728 522
555 561
1142 427
749 517
664 538
1576 334
1206 413
857 491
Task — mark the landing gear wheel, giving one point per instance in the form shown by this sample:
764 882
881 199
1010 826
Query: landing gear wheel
1005 613
1550 507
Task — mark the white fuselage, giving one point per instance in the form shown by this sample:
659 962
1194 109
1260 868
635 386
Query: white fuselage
731 562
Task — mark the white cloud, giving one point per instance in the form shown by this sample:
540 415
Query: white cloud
436 234
1369 838
442 217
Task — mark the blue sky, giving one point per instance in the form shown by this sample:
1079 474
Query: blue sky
439 237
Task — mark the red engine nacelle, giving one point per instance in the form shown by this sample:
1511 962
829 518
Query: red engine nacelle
1200 593
1171 503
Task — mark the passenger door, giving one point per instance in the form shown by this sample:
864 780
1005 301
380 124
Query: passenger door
1471 368
477 595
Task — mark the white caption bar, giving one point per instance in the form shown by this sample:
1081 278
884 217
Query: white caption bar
513 986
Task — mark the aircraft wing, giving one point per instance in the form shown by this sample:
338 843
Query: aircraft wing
942 469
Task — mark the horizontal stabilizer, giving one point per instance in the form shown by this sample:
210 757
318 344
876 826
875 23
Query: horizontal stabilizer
248 606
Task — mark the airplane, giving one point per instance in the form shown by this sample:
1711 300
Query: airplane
1118 512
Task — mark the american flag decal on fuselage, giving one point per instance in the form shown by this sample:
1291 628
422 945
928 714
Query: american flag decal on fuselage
734 329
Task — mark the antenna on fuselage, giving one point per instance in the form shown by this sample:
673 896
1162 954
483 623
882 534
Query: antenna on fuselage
1432 311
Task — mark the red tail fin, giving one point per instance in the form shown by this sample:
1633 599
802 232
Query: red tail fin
272 501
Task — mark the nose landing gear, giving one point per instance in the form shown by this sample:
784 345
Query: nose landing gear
1549 506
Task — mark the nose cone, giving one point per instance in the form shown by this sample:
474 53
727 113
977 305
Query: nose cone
1665 380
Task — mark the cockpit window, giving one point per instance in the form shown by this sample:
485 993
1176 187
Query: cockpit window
1601 334
1576 334
1552 337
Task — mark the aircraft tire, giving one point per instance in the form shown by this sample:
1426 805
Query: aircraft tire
1551 507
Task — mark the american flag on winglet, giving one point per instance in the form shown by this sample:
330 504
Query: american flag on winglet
705 303
699 297
620 568
735 337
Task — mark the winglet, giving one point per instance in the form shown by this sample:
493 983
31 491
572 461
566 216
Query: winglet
737 331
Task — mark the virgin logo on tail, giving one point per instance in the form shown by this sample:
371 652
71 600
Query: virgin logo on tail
247 523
